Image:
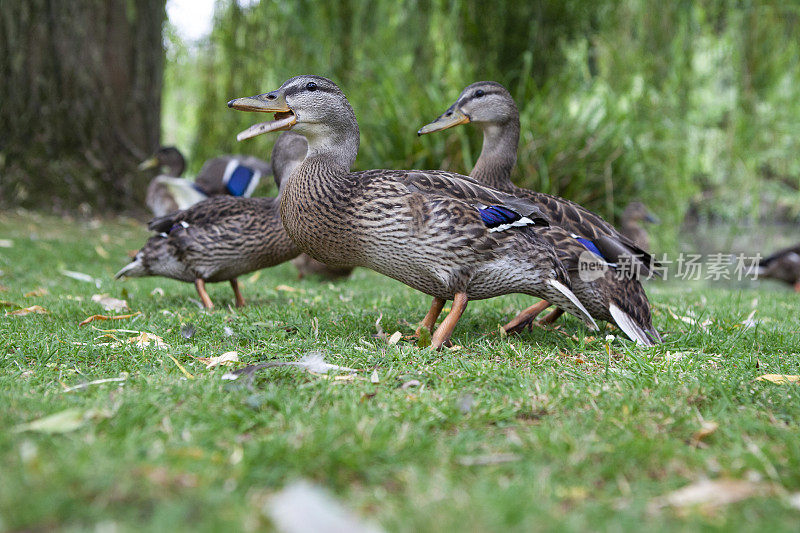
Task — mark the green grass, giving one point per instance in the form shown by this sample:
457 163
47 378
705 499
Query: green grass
598 429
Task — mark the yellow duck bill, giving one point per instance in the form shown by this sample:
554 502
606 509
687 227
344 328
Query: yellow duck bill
265 103
453 117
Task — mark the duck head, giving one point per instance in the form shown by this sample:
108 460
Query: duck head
168 158
312 106
485 103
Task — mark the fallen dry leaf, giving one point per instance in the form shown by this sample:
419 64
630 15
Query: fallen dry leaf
104 317
226 359
410 383
63 421
41 291
374 378
6 243
109 303
143 340
395 338
710 493
34 309
287 288
706 429
101 251
779 378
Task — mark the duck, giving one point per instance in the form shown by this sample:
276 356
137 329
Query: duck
441 233
594 252
783 265
634 215
283 164
235 175
218 239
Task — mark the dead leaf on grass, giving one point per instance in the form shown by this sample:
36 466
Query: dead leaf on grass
6 243
142 340
286 288
105 317
395 338
707 428
109 303
101 251
35 293
779 378
710 493
32 310
63 421
226 359
80 276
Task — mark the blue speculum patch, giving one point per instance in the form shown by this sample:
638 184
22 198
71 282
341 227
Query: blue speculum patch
589 245
240 180
497 215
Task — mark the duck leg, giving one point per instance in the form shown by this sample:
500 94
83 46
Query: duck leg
526 317
237 293
200 285
433 313
797 286
445 329
552 316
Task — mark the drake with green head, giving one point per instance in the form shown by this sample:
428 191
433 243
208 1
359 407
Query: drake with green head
441 233
580 237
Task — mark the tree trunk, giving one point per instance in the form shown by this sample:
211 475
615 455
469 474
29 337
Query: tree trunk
81 101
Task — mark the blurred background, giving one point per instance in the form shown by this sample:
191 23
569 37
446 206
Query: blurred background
692 107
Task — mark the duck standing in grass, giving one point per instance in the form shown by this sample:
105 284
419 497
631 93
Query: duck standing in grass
579 236
234 175
220 238
783 265
441 233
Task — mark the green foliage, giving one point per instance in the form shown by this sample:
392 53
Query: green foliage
685 105
591 437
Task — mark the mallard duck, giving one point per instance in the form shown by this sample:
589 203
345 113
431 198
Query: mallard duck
235 175
783 265
581 238
438 232
217 239
290 157
634 215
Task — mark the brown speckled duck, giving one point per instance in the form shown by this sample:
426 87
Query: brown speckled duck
217 239
441 233
582 239
234 175
783 265
283 164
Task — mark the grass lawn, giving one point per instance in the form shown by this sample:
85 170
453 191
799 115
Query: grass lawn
551 430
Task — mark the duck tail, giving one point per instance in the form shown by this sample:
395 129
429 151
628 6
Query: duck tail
640 335
134 269
573 305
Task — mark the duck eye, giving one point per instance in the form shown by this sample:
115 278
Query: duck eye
311 86
479 93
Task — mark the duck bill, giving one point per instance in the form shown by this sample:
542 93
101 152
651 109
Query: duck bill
265 103
453 117
147 164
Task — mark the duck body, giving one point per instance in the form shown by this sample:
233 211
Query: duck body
234 175
401 224
576 233
438 232
783 265
217 239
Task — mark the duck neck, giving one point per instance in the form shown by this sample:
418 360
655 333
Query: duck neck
498 156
